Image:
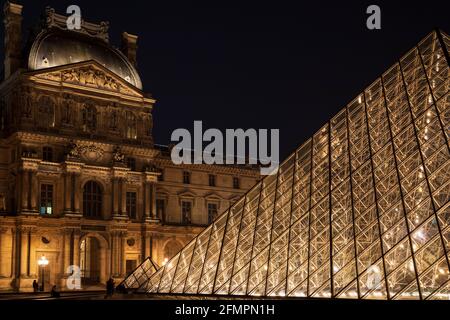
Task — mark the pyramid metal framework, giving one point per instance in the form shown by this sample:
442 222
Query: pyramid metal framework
361 210
140 275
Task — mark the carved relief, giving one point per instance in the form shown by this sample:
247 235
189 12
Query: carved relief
88 76
30 153
92 77
114 120
118 156
46 109
72 151
71 75
52 19
149 121
67 110
91 152
27 103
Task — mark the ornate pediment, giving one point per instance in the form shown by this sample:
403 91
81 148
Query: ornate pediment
88 74
88 153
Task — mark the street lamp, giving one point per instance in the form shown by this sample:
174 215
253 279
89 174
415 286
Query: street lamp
42 262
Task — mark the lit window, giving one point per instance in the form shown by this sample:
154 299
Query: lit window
131 126
131 204
186 211
212 212
46 206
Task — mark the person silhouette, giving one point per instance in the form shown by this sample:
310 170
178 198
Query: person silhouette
54 293
35 286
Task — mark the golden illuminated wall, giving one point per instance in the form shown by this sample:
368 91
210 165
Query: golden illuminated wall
360 210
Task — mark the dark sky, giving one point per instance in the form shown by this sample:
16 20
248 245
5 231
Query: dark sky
286 65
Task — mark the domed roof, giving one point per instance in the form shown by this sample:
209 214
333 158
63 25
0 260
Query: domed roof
57 48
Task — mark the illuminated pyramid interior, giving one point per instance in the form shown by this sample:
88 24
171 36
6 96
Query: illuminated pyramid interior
140 275
361 210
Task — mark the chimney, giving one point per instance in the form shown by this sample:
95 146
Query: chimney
13 37
129 47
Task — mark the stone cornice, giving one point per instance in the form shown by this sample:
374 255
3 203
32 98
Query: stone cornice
68 225
241 171
36 137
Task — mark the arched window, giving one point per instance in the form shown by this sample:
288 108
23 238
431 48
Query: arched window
171 248
47 154
131 125
92 200
89 118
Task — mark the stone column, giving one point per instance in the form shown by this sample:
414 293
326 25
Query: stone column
147 200
115 196
32 263
34 192
122 254
66 250
153 201
143 246
13 253
25 189
123 197
67 192
23 252
115 251
148 245
76 192
2 253
64 258
111 255
18 191
76 248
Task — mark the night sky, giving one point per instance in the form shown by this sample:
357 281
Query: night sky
259 65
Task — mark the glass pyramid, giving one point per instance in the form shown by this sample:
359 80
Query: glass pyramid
140 275
361 210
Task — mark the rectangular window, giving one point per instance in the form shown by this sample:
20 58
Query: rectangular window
186 177
161 175
160 209
131 163
46 206
131 204
47 154
236 183
212 180
186 211
212 212
130 265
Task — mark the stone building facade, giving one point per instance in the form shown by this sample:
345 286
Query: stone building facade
81 181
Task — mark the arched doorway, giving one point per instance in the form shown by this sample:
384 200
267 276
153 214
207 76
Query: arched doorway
90 261
171 248
92 200
93 258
